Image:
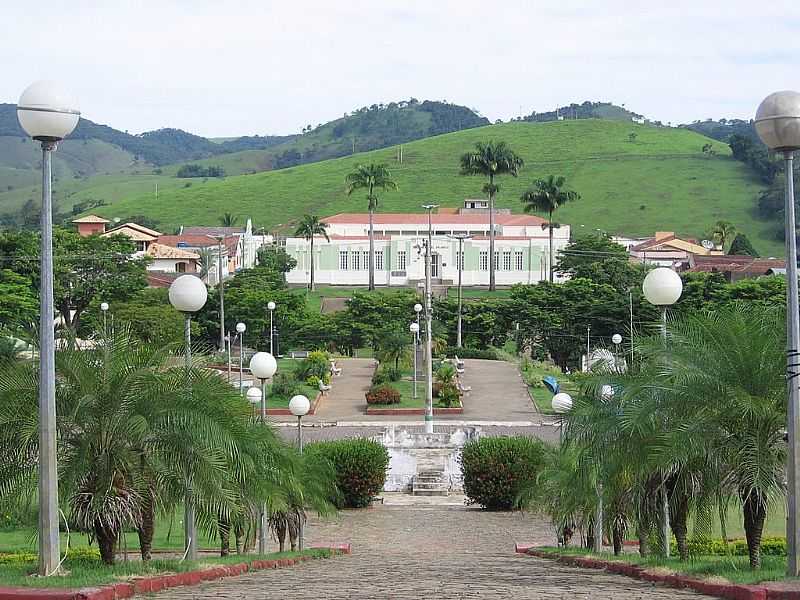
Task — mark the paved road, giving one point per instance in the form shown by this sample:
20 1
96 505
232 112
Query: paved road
421 553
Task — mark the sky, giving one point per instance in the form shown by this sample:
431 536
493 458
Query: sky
234 67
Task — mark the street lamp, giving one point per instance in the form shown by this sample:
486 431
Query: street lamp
240 329
460 264
254 396
428 315
662 287
271 308
778 125
263 366
104 309
48 114
414 335
188 294
616 339
299 406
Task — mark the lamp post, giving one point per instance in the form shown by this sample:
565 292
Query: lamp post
778 125
219 239
240 329
428 317
561 404
104 310
414 335
254 396
616 339
271 308
48 114
662 287
263 366
460 264
299 406
188 294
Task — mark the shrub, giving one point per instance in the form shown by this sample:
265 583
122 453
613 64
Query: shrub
317 364
284 384
484 353
386 373
360 466
448 395
496 469
708 547
382 394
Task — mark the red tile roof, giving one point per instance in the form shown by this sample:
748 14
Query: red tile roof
161 278
193 241
734 264
436 219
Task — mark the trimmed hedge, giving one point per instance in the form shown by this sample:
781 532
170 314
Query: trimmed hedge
484 353
770 546
496 469
360 465
382 394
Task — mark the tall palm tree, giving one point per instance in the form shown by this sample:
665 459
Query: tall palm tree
490 159
370 177
547 195
206 262
310 226
722 233
228 220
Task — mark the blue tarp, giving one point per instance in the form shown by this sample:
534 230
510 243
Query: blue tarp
551 383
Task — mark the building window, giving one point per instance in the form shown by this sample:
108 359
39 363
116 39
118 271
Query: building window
356 260
365 258
379 260
518 257
483 261
460 261
496 260
343 266
507 260
401 260
180 267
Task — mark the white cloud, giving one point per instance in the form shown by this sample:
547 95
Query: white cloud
241 67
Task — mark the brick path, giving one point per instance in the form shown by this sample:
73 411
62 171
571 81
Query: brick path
421 553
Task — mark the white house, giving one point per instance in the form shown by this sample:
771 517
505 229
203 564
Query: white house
167 259
243 254
521 248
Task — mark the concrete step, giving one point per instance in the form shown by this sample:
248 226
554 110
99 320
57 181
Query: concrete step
439 492
434 485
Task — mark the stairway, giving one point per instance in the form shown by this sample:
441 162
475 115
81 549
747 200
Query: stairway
430 483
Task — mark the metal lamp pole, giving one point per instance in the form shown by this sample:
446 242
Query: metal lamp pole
414 336
271 307
263 366
221 285
240 329
778 125
460 260
299 407
428 318
47 114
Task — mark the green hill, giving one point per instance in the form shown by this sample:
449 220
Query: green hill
660 181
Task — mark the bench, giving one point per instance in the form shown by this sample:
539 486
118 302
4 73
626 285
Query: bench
459 363
337 371
298 354
464 389
324 388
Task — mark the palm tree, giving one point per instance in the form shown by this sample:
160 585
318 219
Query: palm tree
228 220
370 177
206 262
490 159
131 437
547 195
310 226
723 232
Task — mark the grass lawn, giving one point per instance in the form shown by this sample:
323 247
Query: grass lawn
83 572
735 569
542 397
275 401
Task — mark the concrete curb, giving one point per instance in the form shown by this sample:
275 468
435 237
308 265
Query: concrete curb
401 412
156 583
721 590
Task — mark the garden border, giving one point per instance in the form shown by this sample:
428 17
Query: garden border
286 412
721 590
375 410
156 583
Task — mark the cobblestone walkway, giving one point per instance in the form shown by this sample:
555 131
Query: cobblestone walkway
428 553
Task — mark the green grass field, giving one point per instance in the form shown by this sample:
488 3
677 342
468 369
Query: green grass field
662 181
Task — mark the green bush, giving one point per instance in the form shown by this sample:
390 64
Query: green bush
382 394
770 546
484 353
360 466
284 384
316 365
386 373
448 395
496 469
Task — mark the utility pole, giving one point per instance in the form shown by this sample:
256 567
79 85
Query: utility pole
588 347
428 319
220 238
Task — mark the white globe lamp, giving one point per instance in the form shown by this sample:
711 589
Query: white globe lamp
263 365
271 305
47 112
104 306
414 328
418 308
188 294
607 392
241 328
253 395
662 287
299 405
561 403
616 339
778 121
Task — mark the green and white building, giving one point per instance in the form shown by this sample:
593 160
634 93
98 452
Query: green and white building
521 248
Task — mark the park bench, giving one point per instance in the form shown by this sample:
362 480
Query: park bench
337 371
463 389
323 388
298 354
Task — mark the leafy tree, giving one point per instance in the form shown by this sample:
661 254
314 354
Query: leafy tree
491 159
370 177
276 259
547 195
195 170
600 259
391 344
722 233
20 305
309 227
632 136
741 246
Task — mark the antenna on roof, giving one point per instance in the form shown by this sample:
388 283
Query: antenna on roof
707 244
